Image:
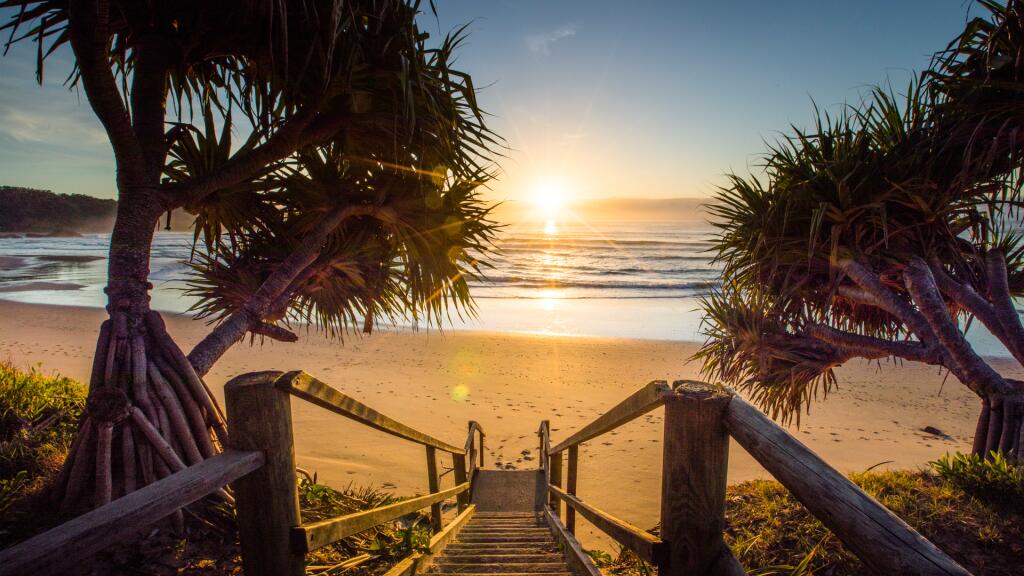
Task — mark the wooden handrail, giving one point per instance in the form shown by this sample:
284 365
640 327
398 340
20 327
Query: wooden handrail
58 550
302 385
309 537
639 403
273 539
699 418
877 536
641 542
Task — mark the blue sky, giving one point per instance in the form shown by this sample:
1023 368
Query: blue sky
634 99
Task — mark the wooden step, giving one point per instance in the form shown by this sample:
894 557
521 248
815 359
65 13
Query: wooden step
485 538
457 549
473 530
563 573
502 568
503 557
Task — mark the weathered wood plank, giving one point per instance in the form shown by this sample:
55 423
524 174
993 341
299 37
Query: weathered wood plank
639 403
309 537
570 487
877 536
434 485
693 481
555 467
407 566
441 539
459 469
578 560
59 550
646 545
267 501
312 390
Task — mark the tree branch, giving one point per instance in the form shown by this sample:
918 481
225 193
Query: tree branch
886 299
967 298
90 41
303 129
262 302
859 345
973 371
1002 301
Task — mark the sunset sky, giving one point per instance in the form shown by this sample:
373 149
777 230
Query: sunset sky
596 99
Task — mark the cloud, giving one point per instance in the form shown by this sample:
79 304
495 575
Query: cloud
540 44
52 128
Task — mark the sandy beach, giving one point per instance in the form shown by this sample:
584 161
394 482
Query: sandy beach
509 383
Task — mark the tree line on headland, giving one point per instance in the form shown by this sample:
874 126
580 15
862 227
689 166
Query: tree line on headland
30 211
27 210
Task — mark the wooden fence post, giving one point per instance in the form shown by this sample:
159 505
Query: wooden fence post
433 484
555 466
696 458
459 465
570 487
267 500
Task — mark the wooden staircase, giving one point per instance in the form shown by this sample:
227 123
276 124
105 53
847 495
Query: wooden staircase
505 544
508 534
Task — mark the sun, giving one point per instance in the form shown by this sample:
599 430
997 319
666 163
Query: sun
550 196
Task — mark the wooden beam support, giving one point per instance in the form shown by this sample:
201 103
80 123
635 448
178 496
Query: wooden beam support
555 466
461 476
570 487
693 480
267 501
433 483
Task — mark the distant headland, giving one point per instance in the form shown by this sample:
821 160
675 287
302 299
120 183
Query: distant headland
33 212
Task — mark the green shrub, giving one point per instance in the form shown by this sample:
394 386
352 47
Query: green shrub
38 418
993 478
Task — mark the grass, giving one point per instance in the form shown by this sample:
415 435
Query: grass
39 415
38 419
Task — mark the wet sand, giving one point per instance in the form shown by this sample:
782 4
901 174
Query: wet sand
509 383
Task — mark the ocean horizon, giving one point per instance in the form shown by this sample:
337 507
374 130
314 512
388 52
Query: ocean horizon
612 279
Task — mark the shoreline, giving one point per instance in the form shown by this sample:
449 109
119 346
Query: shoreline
437 382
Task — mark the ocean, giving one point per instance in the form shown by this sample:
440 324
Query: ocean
635 280
619 279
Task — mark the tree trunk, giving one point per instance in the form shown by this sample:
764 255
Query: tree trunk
1001 425
148 414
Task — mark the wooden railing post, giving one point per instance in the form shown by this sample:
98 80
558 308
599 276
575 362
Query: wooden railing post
555 466
570 487
459 465
481 432
696 458
433 484
267 500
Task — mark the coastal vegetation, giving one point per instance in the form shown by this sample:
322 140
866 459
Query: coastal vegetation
44 212
351 200
884 232
770 532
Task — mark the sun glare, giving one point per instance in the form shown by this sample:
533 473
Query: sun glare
549 199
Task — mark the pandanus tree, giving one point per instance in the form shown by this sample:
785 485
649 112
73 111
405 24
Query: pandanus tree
348 195
884 232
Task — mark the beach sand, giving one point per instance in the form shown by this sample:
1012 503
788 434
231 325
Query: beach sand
510 382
